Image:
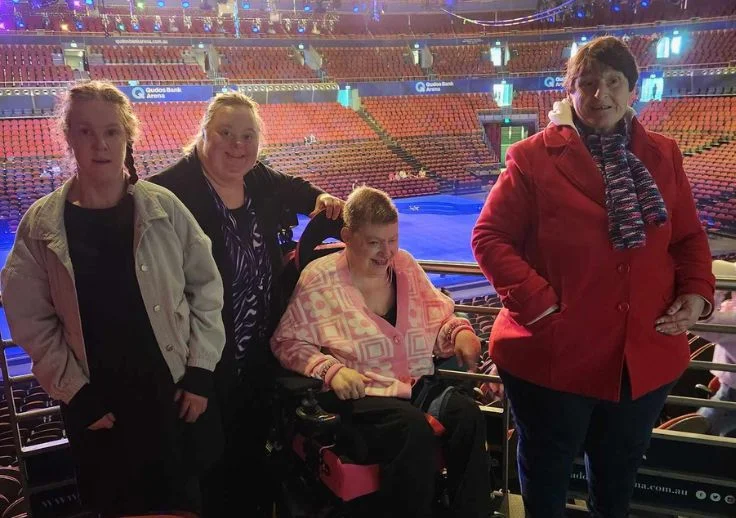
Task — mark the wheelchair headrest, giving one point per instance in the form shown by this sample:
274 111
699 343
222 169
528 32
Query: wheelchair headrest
310 245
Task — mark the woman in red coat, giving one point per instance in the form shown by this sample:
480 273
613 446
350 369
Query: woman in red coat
592 241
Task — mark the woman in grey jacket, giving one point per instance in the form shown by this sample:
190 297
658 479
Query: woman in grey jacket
112 290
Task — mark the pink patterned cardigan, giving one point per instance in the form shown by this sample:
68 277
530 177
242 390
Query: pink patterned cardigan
328 326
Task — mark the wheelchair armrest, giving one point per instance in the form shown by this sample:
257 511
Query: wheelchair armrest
295 384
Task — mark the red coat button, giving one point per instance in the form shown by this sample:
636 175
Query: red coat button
623 307
623 268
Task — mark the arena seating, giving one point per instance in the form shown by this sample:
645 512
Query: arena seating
707 48
450 114
273 64
121 74
537 56
338 168
699 117
461 61
441 132
541 101
24 65
353 63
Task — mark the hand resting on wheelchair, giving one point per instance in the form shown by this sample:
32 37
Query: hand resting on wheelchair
367 322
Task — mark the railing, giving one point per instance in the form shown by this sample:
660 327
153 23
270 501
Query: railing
437 267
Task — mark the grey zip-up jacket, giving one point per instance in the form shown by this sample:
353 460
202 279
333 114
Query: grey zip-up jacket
179 282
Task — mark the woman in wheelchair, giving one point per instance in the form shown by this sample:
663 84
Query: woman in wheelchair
367 321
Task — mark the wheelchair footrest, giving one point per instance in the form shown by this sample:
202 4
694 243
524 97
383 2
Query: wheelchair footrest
347 481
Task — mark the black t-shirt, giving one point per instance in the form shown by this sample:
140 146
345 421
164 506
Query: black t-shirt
390 315
125 361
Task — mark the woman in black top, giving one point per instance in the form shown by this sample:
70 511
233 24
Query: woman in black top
115 295
241 205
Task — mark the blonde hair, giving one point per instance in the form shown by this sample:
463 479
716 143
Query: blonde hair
222 100
101 91
368 206
98 91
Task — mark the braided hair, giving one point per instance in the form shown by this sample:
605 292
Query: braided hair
130 164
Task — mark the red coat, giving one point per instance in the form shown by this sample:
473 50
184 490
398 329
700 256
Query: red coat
542 239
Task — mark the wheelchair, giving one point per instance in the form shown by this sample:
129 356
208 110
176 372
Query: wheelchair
311 450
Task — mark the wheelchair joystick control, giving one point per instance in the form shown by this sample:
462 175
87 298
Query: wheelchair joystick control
313 420
309 405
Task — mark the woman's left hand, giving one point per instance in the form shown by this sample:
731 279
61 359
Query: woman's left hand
681 315
467 349
191 406
331 205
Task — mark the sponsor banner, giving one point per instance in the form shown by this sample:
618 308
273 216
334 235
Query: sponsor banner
705 496
423 87
145 93
552 82
141 41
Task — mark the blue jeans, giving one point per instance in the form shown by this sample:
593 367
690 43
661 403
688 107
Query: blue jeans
722 421
555 426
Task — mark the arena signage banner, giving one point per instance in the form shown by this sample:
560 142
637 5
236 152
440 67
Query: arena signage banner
143 93
141 41
552 82
423 87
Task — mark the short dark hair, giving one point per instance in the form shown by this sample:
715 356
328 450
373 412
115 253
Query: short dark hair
605 51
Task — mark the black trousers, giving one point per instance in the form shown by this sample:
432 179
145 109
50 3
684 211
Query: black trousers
555 426
141 465
395 434
240 482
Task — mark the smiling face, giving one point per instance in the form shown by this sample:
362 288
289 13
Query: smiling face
97 138
601 96
371 248
230 143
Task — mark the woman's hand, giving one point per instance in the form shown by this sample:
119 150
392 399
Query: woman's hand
681 315
349 384
105 422
467 349
331 205
191 406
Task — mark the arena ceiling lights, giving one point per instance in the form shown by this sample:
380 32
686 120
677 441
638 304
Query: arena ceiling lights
551 10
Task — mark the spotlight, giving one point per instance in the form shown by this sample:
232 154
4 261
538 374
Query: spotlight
580 13
140 4
89 2
644 3
121 27
616 6
255 28
185 4
80 25
2 26
161 3
19 23
356 8
246 5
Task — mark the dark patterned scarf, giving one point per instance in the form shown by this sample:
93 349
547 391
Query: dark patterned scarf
632 198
